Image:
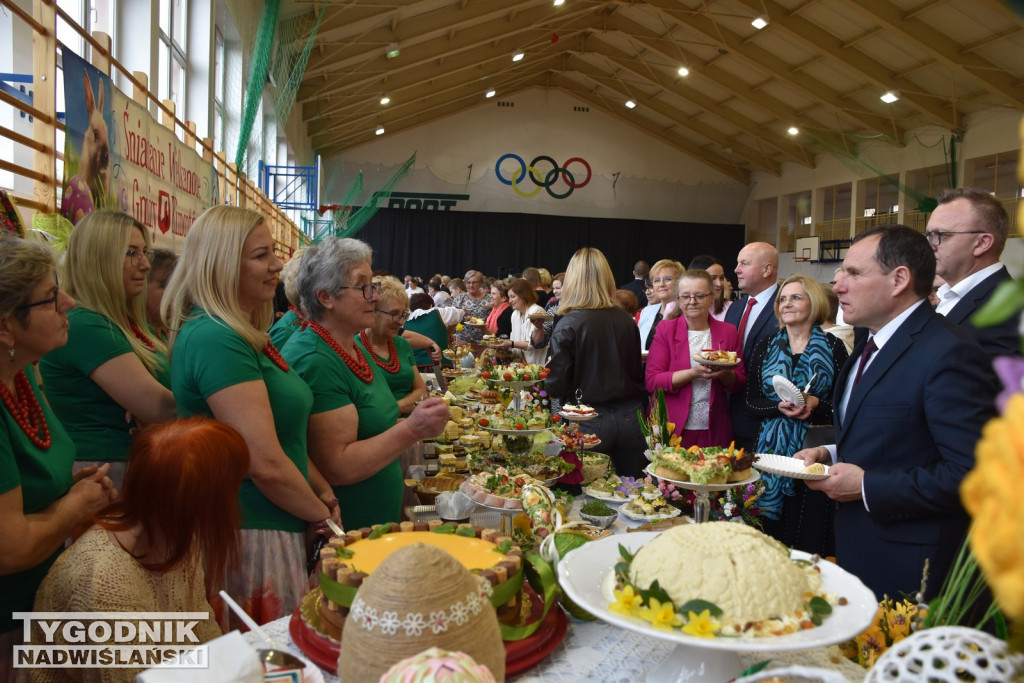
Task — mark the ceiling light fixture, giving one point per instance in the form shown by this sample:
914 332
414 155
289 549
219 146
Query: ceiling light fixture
793 130
760 21
890 96
392 50
385 99
683 71
380 130
630 104
559 2
489 94
518 56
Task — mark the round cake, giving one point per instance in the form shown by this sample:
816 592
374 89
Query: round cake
347 560
747 574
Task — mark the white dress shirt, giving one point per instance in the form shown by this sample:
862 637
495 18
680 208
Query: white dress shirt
950 296
762 298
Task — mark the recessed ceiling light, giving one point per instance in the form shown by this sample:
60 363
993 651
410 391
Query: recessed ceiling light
683 71
392 50
489 94
630 104
890 96
385 99
793 130
518 57
760 21
559 2
380 130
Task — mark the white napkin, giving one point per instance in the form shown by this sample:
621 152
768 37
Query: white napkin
230 659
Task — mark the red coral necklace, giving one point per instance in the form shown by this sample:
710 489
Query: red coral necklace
392 365
146 341
360 368
26 411
275 357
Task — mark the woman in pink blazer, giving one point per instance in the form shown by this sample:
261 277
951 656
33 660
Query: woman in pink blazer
695 394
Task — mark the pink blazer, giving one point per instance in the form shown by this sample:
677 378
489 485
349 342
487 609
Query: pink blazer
670 351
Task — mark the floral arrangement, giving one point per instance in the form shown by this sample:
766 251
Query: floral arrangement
732 505
656 427
894 621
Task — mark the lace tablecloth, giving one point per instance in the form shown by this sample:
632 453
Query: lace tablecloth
596 651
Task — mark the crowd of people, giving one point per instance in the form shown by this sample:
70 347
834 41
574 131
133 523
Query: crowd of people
161 380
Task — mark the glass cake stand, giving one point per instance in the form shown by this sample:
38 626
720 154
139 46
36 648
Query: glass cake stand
701 502
587 575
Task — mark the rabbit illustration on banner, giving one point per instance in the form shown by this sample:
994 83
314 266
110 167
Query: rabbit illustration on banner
87 190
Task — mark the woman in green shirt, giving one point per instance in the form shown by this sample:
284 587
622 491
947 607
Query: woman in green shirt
388 350
41 502
112 376
218 306
355 437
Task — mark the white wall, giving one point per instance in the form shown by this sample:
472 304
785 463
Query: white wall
634 174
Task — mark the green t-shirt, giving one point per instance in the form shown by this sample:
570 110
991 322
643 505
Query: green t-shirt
431 325
284 328
377 499
44 476
400 382
209 356
94 420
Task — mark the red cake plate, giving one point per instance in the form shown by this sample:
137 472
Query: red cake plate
520 655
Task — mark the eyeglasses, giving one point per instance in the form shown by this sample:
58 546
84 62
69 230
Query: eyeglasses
473 282
935 237
368 290
796 298
398 317
134 255
694 297
663 279
51 300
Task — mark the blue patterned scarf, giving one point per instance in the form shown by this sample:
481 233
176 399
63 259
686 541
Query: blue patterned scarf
785 435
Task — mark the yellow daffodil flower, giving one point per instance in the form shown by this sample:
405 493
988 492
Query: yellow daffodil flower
661 615
990 492
898 619
626 602
522 522
870 645
459 328
701 625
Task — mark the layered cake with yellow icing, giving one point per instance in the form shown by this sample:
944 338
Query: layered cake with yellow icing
347 560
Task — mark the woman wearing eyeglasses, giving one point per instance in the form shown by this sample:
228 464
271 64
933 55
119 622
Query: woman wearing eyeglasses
112 376
808 357
695 394
218 306
663 279
476 302
355 437
41 502
389 351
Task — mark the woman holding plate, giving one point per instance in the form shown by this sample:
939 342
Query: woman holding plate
695 393
476 303
802 353
526 340
663 278
499 320
355 436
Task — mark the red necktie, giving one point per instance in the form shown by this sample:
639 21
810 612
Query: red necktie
743 321
865 355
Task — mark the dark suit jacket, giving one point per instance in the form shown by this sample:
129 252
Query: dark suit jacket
745 426
911 424
637 287
998 340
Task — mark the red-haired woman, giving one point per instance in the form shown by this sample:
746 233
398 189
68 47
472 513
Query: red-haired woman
147 551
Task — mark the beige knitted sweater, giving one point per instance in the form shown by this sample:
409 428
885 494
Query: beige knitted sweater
96 575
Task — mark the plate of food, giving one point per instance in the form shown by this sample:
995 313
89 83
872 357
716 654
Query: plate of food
696 561
717 359
579 413
456 372
703 466
541 316
787 391
473 321
644 510
785 466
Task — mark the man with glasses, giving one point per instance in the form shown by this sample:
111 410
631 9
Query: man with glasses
968 231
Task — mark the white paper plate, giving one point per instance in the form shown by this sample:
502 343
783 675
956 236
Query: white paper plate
785 466
787 391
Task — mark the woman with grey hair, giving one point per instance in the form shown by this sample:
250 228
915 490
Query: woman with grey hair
354 434
476 302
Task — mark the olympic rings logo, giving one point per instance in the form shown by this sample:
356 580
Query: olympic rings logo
549 177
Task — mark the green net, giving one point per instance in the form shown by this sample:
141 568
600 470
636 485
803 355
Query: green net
345 222
258 70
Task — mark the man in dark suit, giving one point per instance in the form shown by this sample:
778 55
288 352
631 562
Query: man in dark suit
636 285
968 231
907 418
757 272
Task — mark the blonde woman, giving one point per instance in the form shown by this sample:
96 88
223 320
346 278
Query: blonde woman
595 351
218 305
663 278
292 319
112 376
